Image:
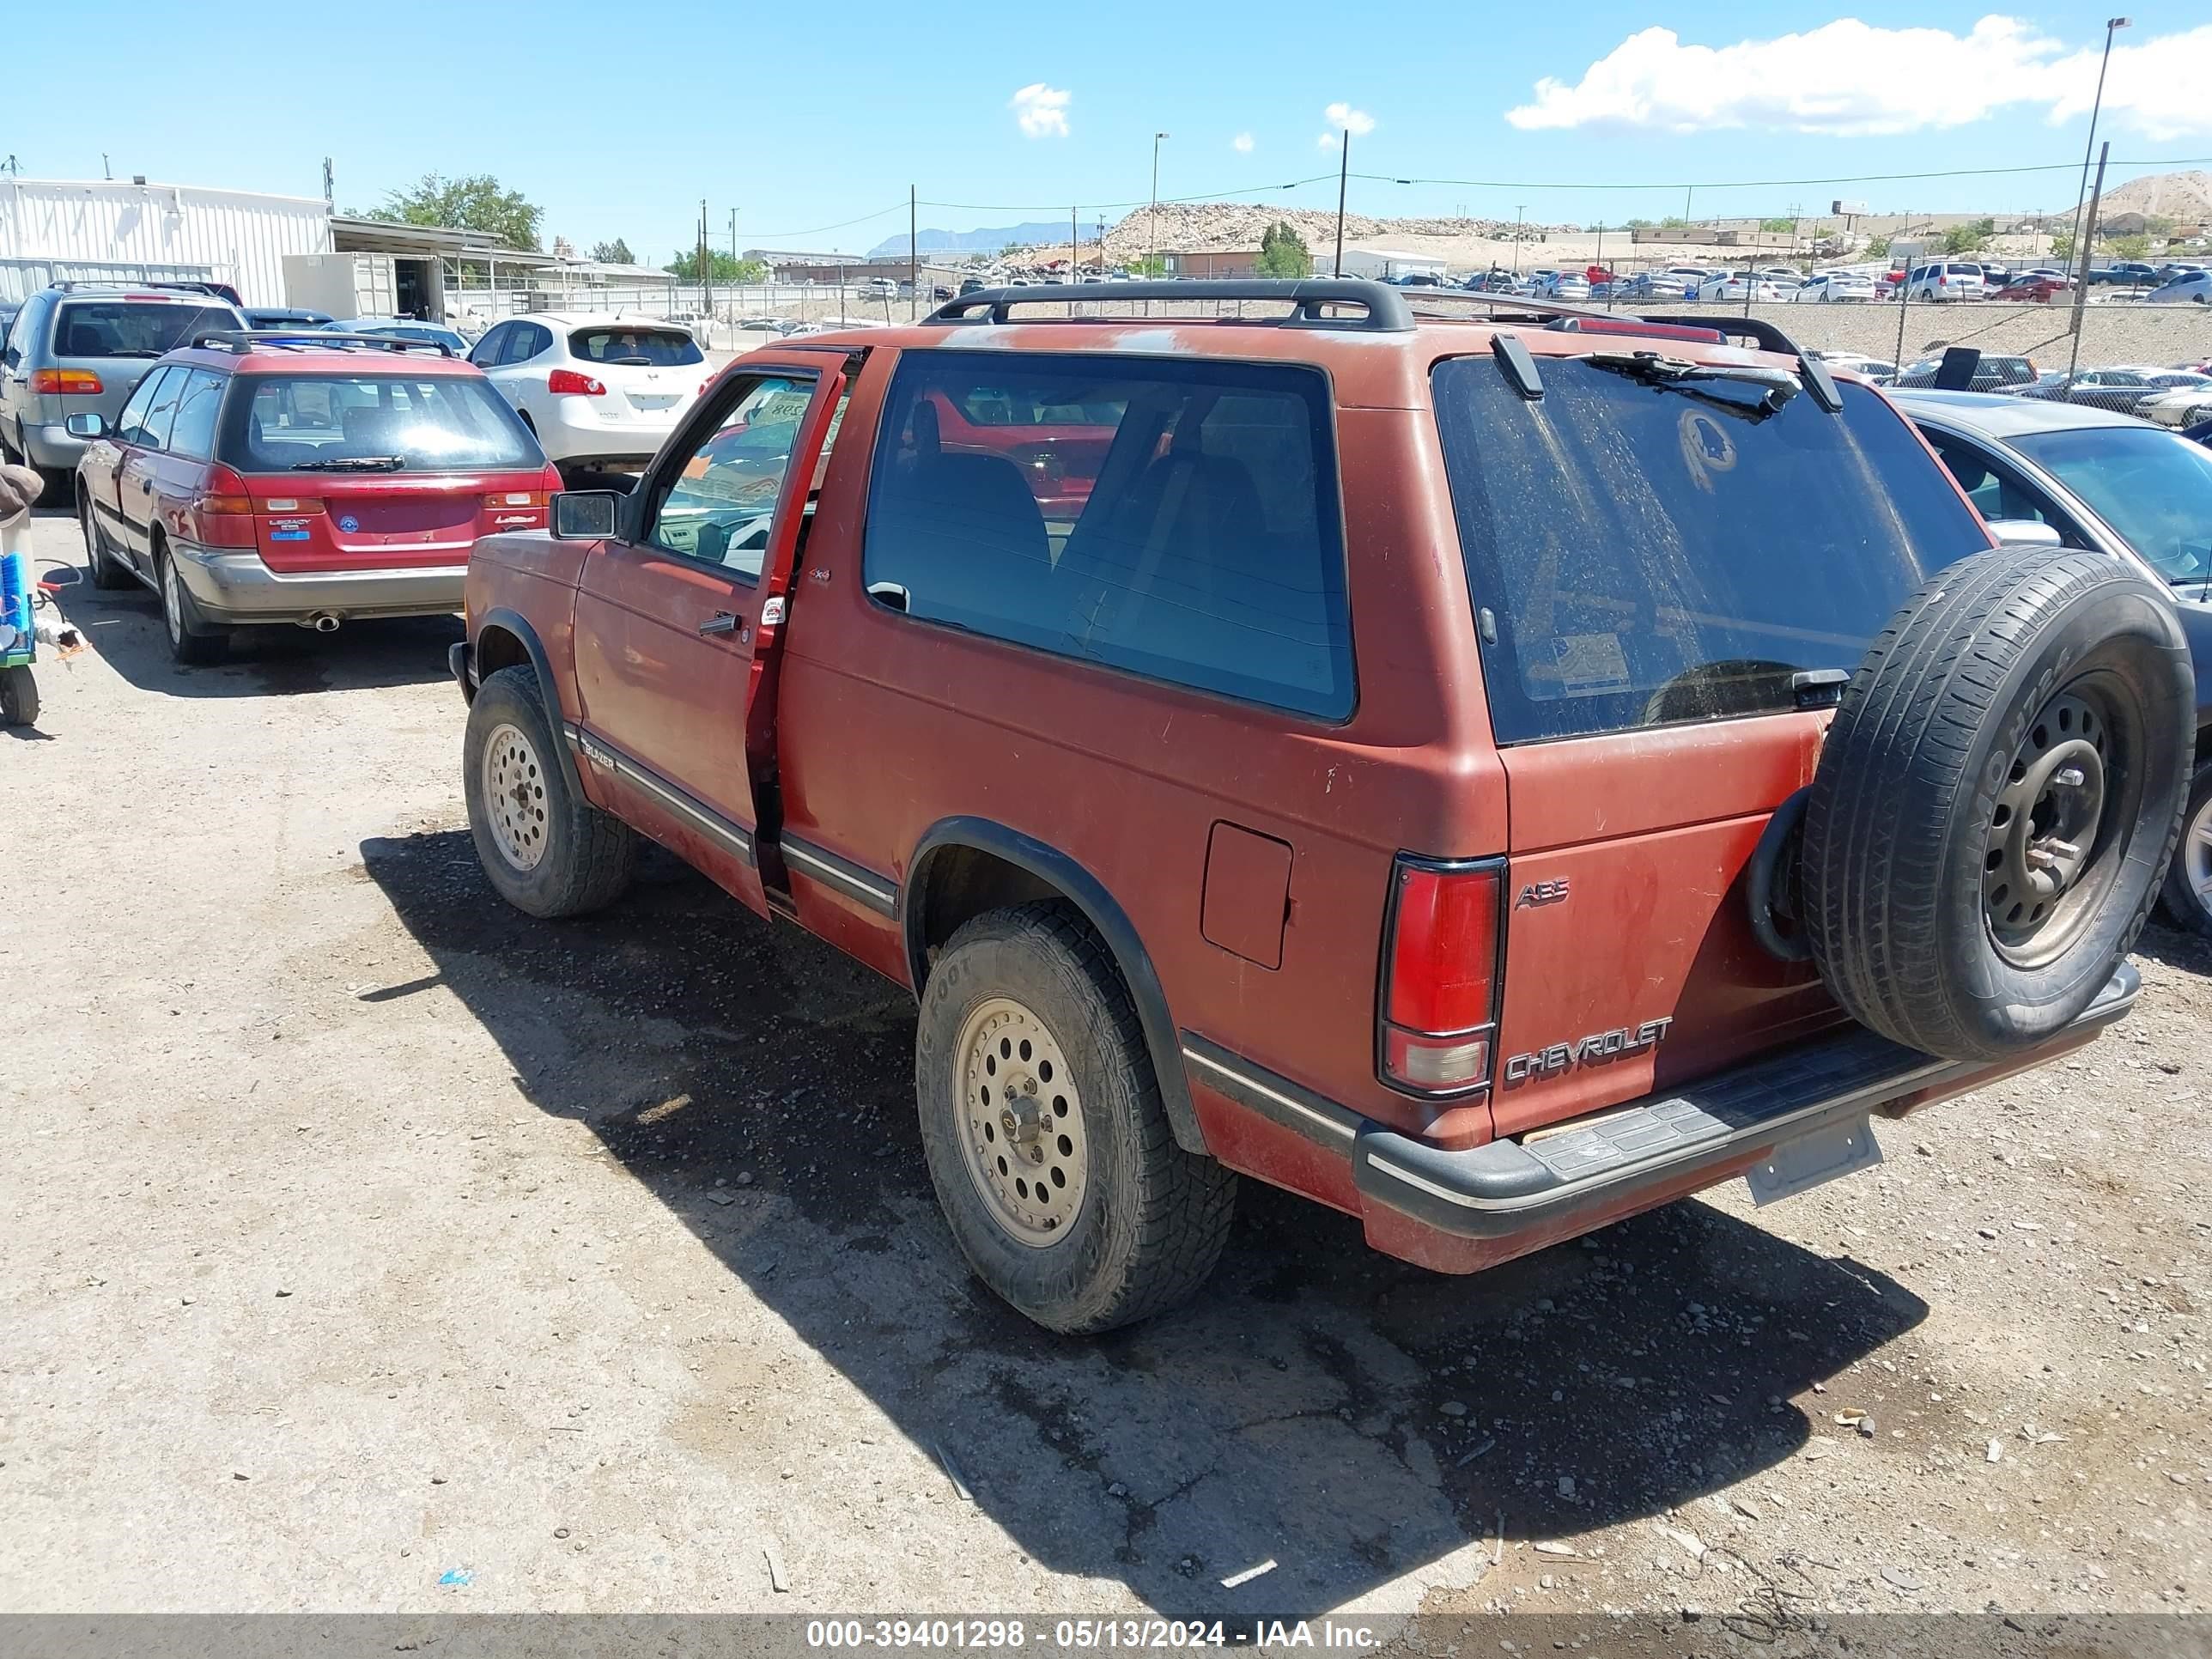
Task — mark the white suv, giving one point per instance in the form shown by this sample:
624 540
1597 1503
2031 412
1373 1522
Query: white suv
1946 279
598 389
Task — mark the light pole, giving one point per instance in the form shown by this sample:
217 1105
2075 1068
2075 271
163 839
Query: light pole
2113 25
1152 252
1343 178
1519 208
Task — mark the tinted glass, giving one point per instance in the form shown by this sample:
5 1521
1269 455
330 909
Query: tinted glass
528 341
192 435
131 426
1658 553
489 349
642 348
2154 488
338 423
1177 520
124 328
722 504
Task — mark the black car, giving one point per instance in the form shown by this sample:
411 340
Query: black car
1992 374
284 317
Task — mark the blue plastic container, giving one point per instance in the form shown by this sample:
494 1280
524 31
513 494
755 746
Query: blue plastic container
15 593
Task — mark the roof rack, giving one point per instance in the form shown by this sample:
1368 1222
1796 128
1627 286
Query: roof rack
313 339
1384 307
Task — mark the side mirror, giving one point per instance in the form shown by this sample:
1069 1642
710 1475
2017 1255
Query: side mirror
584 515
86 426
2025 533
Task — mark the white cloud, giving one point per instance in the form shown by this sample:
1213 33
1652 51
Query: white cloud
1241 143
1326 141
1042 110
1849 78
1357 122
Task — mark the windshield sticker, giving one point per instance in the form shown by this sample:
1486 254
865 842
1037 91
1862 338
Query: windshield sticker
1588 665
1706 447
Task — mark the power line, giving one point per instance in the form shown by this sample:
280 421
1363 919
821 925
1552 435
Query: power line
1774 183
1141 201
770 237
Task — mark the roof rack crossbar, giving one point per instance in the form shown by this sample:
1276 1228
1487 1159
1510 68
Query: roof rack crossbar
1765 335
312 339
1382 307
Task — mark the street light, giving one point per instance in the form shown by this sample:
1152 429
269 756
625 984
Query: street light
2113 25
1152 255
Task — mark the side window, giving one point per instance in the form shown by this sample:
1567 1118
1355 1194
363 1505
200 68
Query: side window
26 329
161 413
487 354
1178 520
721 504
133 425
1997 491
192 434
529 340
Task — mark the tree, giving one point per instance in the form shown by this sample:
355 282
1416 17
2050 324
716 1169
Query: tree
2131 247
1778 225
616 252
2062 248
1877 247
1969 238
476 202
2158 224
1282 253
1148 265
721 267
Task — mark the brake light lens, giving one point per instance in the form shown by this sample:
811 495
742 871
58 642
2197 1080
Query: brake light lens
1439 1000
65 382
223 512
567 383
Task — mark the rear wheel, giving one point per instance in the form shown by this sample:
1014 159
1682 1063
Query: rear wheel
19 696
190 639
1047 1140
98 563
2188 892
545 849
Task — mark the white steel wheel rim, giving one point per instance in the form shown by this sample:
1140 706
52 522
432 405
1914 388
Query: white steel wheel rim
514 798
172 602
1021 1123
2196 856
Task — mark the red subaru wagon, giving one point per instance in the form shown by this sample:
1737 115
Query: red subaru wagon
303 479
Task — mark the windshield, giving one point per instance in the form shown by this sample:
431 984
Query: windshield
1652 553
127 328
393 422
2154 488
642 347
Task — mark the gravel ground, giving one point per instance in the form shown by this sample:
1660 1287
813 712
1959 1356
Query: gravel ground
373 1247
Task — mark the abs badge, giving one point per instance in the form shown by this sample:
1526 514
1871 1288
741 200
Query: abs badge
349 524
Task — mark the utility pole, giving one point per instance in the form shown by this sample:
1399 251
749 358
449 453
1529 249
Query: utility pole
1903 292
1074 247
1602 266
913 258
1519 208
1153 236
1343 174
329 182
2082 282
2113 25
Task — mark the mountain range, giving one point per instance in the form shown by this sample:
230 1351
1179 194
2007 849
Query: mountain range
989 239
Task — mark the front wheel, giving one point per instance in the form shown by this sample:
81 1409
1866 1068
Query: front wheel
1047 1140
2187 894
545 849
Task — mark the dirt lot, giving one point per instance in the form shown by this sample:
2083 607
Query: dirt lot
371 1246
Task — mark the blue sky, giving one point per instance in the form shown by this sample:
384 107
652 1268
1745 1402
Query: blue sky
804 119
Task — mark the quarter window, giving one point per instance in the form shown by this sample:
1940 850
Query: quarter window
1178 520
192 434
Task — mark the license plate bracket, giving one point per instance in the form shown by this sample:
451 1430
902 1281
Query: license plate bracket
1828 1153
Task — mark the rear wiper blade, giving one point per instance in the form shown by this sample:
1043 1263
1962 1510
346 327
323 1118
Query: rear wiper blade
134 354
1675 375
353 464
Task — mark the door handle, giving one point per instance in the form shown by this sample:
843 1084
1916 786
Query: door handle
720 622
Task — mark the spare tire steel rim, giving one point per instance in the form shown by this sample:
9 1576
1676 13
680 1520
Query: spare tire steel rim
514 798
1021 1121
2044 867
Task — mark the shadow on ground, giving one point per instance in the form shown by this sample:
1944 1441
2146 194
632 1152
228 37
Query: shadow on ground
124 626
1349 1417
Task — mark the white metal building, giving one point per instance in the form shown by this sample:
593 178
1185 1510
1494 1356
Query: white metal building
54 229
1366 259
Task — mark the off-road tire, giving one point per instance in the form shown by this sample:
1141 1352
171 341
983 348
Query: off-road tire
99 564
2186 906
588 856
192 641
19 696
1905 808
1154 1217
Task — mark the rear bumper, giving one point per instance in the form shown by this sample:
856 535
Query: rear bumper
575 433
52 446
1460 1211
237 589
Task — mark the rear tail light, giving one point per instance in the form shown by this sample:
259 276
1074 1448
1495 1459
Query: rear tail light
65 382
223 512
1439 1006
567 383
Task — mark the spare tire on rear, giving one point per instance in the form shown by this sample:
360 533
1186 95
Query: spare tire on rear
1997 800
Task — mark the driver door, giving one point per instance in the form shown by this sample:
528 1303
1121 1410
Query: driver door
671 622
